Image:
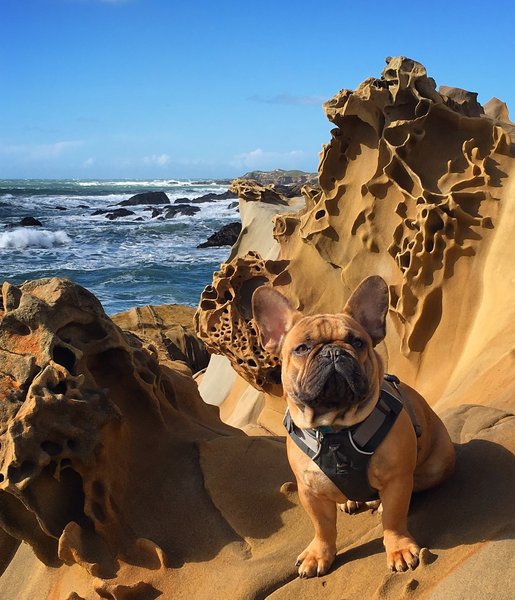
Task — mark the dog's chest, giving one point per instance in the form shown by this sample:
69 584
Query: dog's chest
311 476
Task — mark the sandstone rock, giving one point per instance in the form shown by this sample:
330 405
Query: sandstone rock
156 497
461 101
497 110
169 328
280 177
252 191
390 204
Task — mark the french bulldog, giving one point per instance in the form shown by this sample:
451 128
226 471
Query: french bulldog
332 378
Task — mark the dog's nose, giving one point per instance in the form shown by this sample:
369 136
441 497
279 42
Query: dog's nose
332 351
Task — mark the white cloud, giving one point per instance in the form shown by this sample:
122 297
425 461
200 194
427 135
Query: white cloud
262 159
157 159
89 162
40 151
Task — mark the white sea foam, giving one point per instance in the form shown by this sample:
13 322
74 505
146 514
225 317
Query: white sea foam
32 238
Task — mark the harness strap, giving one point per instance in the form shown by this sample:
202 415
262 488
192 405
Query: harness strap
393 380
343 454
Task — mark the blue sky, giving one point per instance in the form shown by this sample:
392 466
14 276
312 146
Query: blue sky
166 88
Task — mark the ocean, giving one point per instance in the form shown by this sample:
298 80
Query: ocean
130 261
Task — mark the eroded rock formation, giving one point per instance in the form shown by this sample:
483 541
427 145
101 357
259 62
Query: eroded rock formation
125 485
412 188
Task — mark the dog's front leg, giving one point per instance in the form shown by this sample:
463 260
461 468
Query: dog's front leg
318 557
401 549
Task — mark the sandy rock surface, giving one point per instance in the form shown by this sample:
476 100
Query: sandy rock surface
121 479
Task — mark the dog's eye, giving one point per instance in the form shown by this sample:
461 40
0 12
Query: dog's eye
357 343
301 349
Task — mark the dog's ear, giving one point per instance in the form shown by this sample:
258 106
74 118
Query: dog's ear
274 317
368 306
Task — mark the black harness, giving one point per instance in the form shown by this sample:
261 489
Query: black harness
343 455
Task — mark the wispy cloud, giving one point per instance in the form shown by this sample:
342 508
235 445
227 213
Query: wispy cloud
40 151
262 159
157 159
89 162
289 99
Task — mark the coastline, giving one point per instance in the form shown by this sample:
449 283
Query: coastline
126 474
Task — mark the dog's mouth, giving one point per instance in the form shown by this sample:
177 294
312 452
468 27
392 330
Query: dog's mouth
334 381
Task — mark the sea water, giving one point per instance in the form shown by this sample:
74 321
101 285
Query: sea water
126 262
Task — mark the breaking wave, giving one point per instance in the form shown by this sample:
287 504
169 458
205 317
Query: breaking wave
29 238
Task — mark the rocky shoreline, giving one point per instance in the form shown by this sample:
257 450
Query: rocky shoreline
143 456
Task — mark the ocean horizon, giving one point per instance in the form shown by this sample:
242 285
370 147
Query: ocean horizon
134 260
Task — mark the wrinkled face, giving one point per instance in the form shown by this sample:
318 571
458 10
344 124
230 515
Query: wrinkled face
329 369
330 372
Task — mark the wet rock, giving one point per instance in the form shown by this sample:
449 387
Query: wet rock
226 236
146 198
31 222
182 209
119 212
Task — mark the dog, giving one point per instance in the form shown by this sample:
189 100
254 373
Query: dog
334 388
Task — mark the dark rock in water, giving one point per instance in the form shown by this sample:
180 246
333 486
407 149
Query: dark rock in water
233 205
212 197
100 211
155 213
30 222
60 208
82 206
146 198
281 177
119 212
182 201
181 209
226 236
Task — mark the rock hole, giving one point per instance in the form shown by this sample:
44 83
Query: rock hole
320 214
98 488
59 388
147 377
98 512
64 357
72 444
17 327
207 305
17 474
51 448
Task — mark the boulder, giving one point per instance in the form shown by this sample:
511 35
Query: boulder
119 212
169 327
30 222
226 236
146 198
180 209
211 197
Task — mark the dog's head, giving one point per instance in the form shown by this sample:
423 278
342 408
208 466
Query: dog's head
331 373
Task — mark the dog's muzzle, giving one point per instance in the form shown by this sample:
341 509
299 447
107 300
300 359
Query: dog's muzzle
334 379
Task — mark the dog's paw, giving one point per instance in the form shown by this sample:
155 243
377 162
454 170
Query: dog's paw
351 507
316 559
402 553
